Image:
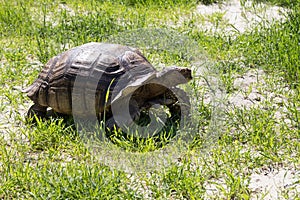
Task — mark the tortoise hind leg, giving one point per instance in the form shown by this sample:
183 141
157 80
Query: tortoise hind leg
37 110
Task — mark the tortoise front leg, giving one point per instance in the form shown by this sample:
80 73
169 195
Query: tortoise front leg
111 124
37 110
125 119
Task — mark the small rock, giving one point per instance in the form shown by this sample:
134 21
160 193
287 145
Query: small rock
255 96
278 100
239 100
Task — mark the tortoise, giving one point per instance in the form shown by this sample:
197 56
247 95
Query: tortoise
90 73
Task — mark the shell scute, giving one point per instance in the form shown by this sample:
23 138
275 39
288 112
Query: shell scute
87 64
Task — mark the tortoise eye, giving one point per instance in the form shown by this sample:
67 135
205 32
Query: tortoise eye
135 61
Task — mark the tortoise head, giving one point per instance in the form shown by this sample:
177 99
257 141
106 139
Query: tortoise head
185 72
172 76
155 84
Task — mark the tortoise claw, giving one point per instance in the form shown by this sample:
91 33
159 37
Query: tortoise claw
36 110
111 124
39 111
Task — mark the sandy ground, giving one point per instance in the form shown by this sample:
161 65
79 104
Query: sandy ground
272 182
272 185
234 17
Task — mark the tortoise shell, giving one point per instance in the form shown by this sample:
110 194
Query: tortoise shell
89 73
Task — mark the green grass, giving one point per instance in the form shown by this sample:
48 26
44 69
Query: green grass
50 161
